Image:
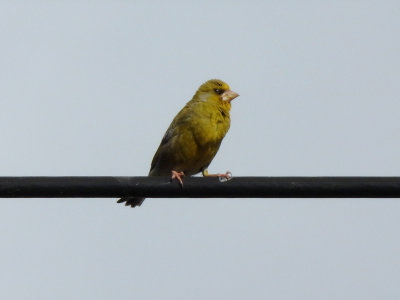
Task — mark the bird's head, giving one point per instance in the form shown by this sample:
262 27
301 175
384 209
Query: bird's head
215 91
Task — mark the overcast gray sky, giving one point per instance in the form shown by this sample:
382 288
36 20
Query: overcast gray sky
88 88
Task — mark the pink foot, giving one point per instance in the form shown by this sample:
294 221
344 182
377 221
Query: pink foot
224 176
177 175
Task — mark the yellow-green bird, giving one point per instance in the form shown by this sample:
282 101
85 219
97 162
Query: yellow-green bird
194 136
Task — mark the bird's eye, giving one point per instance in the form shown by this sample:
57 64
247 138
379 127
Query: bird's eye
218 91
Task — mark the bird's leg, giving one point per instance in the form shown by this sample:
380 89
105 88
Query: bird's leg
177 175
227 175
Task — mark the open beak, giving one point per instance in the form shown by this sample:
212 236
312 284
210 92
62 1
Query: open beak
229 95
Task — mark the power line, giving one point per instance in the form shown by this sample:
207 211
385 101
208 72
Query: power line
199 187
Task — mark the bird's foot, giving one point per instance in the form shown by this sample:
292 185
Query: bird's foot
177 175
222 176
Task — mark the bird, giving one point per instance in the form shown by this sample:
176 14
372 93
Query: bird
194 136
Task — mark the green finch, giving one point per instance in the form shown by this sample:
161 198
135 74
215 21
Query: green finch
194 136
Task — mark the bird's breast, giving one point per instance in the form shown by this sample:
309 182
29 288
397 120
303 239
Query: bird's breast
211 129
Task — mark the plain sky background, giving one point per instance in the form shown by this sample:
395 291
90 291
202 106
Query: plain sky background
89 87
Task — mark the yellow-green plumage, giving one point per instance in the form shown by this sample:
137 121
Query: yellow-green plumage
195 134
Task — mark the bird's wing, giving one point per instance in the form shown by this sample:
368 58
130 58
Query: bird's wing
167 144
156 158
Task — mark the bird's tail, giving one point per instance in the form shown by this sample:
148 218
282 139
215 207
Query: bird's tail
131 201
